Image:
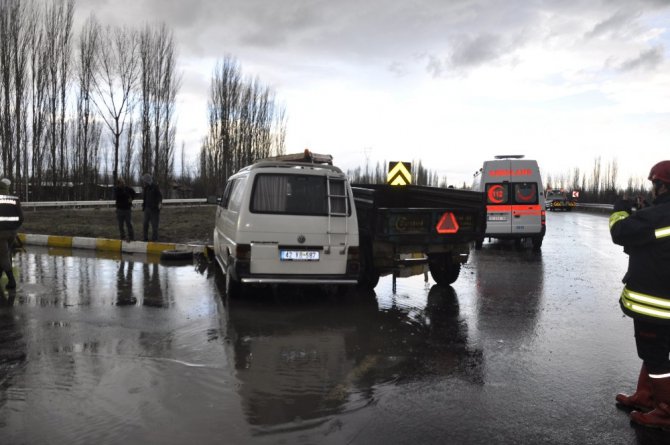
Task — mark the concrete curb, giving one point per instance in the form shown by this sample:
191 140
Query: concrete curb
109 245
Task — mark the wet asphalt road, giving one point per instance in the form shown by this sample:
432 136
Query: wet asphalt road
525 348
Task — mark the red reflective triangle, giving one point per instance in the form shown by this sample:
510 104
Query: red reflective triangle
447 223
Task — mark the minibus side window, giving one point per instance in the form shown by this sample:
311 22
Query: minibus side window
525 193
236 193
226 194
497 193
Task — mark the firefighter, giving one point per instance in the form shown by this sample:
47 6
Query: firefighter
11 218
645 236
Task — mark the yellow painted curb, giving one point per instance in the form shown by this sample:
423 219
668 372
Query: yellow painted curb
159 247
108 244
60 241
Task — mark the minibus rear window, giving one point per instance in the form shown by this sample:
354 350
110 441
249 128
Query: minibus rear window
290 194
497 193
525 192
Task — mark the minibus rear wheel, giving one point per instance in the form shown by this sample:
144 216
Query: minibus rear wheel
233 287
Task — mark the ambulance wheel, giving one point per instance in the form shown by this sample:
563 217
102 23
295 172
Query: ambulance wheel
233 286
537 243
443 270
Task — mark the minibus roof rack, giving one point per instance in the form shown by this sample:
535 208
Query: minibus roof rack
509 156
306 156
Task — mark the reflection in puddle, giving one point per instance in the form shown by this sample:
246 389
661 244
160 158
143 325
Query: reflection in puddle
300 360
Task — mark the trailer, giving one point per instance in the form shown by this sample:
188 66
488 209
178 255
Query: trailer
401 227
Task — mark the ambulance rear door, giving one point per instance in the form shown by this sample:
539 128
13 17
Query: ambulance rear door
496 178
525 197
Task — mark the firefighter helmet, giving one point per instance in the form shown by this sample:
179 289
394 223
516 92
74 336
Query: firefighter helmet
661 172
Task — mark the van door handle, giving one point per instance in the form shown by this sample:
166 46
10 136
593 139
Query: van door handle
517 216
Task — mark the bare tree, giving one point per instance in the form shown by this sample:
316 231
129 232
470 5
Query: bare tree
38 98
245 124
159 84
118 66
87 131
596 177
14 32
22 18
575 179
127 169
57 45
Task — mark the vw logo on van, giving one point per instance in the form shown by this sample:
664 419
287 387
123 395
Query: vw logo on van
301 239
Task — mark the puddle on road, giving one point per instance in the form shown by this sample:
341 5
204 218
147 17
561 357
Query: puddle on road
123 348
119 343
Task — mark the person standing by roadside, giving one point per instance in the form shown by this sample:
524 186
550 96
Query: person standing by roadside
124 197
645 236
153 200
11 218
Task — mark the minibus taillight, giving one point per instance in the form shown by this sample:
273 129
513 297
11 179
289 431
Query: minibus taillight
353 261
243 252
447 224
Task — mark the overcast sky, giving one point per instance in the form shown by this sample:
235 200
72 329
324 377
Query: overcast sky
448 82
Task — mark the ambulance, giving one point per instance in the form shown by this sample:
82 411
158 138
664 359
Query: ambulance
514 200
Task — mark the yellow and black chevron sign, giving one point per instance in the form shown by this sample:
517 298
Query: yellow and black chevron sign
400 173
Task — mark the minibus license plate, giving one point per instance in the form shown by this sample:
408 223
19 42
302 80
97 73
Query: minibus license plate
497 218
299 255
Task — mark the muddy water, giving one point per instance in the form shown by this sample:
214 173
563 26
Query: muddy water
524 348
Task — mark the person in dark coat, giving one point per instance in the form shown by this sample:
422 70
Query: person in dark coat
11 218
151 205
124 197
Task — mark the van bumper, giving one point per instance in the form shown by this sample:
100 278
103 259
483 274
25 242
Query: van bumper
301 279
519 235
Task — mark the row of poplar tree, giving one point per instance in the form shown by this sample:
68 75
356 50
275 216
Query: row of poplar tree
79 108
600 183
72 105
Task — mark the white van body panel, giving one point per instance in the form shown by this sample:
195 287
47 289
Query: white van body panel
515 199
315 246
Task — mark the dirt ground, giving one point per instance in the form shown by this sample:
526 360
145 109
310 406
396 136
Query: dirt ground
178 224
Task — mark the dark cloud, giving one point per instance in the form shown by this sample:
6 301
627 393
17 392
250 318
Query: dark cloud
455 36
472 51
615 25
647 61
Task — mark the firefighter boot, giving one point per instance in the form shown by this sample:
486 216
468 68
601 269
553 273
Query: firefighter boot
642 399
659 417
11 282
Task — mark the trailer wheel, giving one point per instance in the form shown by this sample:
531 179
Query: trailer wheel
368 276
443 270
233 286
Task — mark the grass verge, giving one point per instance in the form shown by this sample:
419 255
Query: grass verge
178 224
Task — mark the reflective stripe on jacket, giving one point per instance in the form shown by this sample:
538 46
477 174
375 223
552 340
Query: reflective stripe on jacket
646 305
11 216
645 236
